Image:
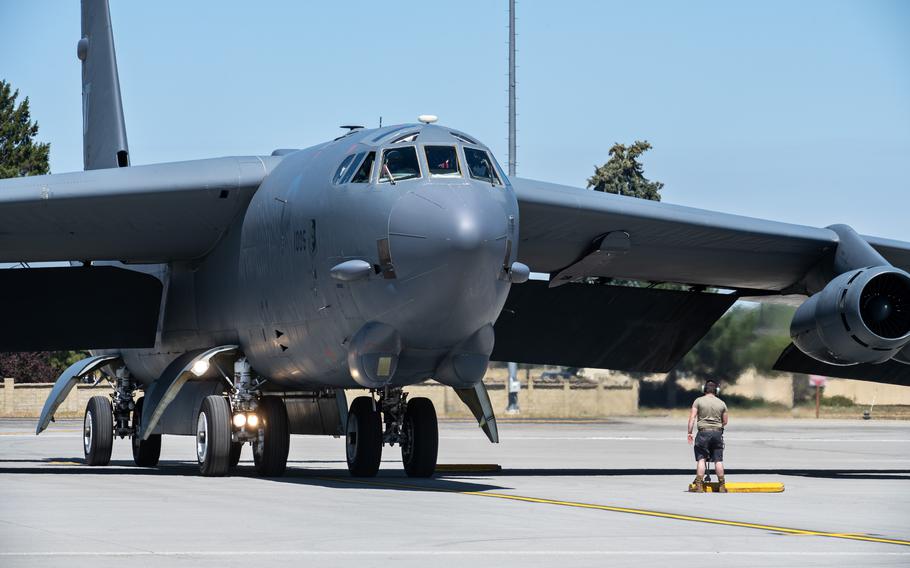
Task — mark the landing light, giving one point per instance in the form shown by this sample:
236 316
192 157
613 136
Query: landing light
252 420
239 420
200 367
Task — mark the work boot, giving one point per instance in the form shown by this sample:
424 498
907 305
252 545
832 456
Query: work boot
721 484
699 484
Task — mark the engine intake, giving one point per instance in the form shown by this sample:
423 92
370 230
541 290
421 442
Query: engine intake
862 316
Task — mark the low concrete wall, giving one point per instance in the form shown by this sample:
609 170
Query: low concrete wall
540 400
779 389
25 400
865 393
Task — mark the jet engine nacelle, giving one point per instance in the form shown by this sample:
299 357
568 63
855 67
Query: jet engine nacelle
862 316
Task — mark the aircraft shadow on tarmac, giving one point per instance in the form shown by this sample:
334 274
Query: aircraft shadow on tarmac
339 477
394 479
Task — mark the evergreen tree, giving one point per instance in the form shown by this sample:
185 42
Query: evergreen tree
623 174
20 155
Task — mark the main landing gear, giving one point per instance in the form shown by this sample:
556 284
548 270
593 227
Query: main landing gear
225 424
409 423
117 416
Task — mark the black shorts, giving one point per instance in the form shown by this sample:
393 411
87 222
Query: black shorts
709 445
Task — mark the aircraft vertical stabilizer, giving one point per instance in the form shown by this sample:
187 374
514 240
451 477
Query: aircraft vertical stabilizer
103 128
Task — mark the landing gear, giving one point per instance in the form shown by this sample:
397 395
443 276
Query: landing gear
364 437
145 452
98 431
270 450
420 443
411 424
213 436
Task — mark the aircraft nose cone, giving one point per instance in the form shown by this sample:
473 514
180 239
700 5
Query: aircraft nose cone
467 233
447 246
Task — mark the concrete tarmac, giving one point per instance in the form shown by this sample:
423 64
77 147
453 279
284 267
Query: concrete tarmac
579 494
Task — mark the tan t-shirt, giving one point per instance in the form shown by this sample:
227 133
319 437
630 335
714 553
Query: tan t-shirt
710 412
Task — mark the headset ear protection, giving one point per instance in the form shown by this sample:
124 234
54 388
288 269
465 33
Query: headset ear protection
704 387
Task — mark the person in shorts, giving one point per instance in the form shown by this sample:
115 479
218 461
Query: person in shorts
710 414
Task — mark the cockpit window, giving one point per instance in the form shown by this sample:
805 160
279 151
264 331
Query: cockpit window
462 137
349 171
406 138
480 165
343 168
399 164
366 169
442 161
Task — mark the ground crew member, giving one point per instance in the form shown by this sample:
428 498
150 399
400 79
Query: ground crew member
710 413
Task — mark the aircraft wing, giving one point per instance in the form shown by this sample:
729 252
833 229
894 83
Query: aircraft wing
561 226
154 213
573 233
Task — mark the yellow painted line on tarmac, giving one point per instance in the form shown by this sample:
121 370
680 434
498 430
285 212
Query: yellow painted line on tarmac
632 511
743 487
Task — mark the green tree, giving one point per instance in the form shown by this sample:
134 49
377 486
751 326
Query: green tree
623 174
20 155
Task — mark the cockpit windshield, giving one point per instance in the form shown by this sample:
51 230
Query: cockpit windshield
399 164
366 169
481 166
442 161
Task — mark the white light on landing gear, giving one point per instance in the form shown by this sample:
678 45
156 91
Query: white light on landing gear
200 367
239 420
252 420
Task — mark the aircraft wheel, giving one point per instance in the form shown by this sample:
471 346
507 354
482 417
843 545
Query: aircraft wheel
213 436
145 452
98 431
418 453
236 449
364 438
271 455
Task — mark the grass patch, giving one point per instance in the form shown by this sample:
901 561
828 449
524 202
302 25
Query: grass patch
836 401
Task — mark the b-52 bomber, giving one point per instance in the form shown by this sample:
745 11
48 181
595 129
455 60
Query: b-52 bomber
243 295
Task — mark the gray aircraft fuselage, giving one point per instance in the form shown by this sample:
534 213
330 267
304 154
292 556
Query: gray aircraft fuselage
267 285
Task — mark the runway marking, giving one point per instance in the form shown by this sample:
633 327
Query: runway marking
498 552
632 511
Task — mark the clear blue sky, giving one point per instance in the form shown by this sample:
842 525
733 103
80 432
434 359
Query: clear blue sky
796 111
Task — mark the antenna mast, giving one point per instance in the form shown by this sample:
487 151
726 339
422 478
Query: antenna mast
511 88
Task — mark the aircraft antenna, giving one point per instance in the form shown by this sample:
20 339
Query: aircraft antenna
512 157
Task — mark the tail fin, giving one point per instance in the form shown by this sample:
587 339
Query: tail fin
103 128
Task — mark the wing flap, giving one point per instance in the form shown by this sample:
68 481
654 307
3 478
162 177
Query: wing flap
607 327
78 308
795 361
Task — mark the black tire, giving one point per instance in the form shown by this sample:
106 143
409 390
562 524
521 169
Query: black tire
213 436
236 449
145 452
98 431
363 440
419 452
271 456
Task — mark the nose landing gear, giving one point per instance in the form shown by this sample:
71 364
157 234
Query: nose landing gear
411 424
